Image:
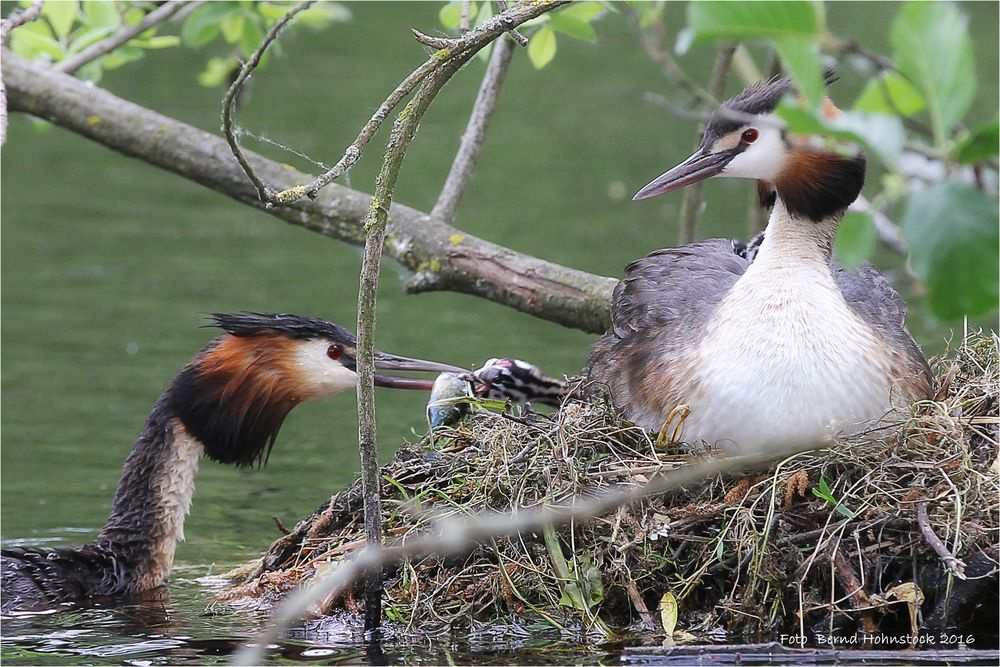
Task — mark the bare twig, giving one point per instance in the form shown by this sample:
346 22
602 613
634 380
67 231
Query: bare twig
691 204
514 34
475 132
16 19
457 534
446 49
404 129
888 232
230 98
662 57
124 34
463 23
402 135
955 565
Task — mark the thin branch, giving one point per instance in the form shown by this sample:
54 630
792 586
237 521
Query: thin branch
446 49
520 39
449 259
18 18
124 34
955 565
403 131
475 132
662 57
229 99
691 204
887 230
463 22
457 534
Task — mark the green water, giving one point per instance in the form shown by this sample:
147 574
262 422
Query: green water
109 264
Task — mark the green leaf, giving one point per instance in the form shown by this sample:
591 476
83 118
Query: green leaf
157 42
980 145
451 14
801 58
31 43
232 26
952 230
542 47
101 15
878 133
203 24
756 18
121 56
856 239
573 27
61 15
933 50
216 72
890 94
85 38
251 38
582 11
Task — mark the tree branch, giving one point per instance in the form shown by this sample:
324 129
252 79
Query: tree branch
450 48
16 19
475 132
444 257
403 131
229 98
124 34
691 203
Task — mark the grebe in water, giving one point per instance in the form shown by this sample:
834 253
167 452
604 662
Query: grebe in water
227 404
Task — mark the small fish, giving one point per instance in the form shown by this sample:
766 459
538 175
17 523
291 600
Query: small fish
446 406
519 382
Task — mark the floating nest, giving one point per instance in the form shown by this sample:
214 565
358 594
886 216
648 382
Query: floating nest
891 533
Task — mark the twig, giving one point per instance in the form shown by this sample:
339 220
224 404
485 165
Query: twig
662 57
16 19
513 32
124 34
854 590
463 23
281 526
417 242
640 606
456 534
403 131
955 565
691 203
888 232
447 49
475 132
228 101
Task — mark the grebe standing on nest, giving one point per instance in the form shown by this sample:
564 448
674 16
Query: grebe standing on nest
769 344
227 404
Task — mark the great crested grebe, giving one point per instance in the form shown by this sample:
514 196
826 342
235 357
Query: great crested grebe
767 344
228 404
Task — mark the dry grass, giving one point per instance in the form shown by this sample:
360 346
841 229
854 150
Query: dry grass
827 540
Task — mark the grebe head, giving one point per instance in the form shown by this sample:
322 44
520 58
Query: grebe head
234 396
746 139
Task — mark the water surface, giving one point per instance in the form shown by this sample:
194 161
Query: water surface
109 264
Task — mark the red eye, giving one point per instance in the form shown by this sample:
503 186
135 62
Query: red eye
749 135
334 351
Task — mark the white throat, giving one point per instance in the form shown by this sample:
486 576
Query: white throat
784 360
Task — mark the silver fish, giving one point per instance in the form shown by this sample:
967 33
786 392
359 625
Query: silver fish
446 406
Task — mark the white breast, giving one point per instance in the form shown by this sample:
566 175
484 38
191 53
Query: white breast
785 362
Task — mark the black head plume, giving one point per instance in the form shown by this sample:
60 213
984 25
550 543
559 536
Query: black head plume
282 324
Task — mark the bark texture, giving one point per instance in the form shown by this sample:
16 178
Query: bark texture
441 256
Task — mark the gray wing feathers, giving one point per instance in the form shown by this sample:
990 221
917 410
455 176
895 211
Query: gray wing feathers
874 300
675 285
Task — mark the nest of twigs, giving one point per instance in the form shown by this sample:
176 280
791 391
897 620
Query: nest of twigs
890 532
